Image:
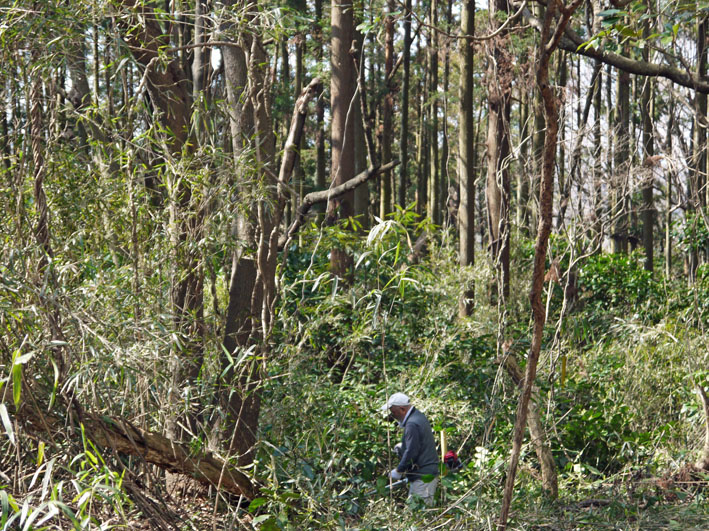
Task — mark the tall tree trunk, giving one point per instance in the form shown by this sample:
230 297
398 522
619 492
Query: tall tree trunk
239 396
320 162
443 174
342 83
698 178
466 157
524 170
497 190
386 196
404 139
199 64
564 182
361 194
597 171
537 434
621 167
668 199
434 210
422 148
298 176
648 208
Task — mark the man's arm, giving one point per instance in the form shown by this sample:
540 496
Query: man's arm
412 441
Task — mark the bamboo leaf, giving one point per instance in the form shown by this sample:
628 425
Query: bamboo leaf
7 423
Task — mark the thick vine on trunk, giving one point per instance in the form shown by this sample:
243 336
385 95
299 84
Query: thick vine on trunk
548 43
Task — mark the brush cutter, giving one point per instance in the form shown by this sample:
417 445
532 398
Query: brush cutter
389 487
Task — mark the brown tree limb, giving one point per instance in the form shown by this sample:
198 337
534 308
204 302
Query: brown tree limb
572 42
121 436
321 196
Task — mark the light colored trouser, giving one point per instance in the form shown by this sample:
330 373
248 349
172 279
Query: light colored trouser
425 491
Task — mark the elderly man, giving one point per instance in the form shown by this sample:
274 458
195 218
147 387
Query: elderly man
418 455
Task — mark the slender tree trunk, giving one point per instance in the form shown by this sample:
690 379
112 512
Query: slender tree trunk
404 139
648 208
434 175
239 396
361 194
386 197
597 156
168 87
199 64
422 150
497 190
444 184
537 434
668 199
698 177
548 43
320 162
342 85
619 212
564 181
466 157
523 173
298 177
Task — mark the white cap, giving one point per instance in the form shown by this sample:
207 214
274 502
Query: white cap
397 399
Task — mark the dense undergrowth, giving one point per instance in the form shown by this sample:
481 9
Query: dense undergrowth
623 416
617 382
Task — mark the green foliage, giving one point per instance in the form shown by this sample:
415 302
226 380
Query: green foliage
615 281
634 25
692 233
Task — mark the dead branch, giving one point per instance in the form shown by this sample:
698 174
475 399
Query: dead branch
313 198
121 436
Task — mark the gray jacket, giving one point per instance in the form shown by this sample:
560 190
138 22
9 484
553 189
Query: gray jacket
418 448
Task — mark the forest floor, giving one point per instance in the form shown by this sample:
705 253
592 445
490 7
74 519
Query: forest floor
675 501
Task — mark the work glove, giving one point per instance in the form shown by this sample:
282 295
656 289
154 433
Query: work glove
396 475
397 449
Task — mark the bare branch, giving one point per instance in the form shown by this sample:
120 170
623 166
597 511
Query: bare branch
314 198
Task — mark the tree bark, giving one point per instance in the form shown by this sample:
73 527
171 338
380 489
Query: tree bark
466 157
386 198
422 149
668 199
168 87
564 181
42 233
342 83
320 162
404 140
648 207
621 166
497 192
120 435
537 434
523 175
548 43
361 193
434 210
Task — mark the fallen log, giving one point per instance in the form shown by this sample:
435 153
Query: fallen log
121 436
